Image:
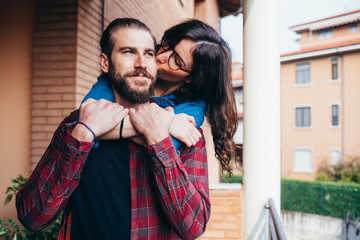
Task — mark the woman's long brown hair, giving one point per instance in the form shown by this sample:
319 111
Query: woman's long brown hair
211 80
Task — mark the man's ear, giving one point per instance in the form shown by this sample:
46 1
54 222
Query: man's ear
104 62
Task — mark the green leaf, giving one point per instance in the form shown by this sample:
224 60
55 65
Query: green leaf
15 236
8 199
14 180
10 189
3 223
13 224
4 232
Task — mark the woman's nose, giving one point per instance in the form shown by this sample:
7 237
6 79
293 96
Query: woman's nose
162 57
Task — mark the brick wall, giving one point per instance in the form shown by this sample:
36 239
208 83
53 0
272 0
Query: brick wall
158 15
54 69
66 49
90 22
226 221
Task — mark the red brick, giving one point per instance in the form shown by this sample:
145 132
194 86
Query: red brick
60 105
54 120
68 97
38 120
46 97
63 56
61 89
47 81
39 89
45 113
61 73
69 80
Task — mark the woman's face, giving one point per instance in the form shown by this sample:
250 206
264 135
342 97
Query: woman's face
177 68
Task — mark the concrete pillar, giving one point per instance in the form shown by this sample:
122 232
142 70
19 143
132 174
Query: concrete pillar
261 113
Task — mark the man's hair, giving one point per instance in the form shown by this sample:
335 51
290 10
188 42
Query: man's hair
107 41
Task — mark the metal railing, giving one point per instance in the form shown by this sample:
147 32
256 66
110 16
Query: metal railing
276 230
352 227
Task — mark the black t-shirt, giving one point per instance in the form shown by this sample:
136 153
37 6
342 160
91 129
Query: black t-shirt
100 205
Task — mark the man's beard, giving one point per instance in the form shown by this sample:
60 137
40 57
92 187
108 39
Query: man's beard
122 87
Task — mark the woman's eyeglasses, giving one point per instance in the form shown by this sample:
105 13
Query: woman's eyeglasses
175 61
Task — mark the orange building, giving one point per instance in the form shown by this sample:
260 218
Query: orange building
50 60
237 76
320 96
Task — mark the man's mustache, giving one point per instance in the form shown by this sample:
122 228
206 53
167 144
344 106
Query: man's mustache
139 72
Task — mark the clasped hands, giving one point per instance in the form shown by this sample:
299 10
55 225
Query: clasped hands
150 120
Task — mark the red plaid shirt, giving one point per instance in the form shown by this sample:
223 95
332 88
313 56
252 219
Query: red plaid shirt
157 175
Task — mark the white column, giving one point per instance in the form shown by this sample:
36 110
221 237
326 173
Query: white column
261 113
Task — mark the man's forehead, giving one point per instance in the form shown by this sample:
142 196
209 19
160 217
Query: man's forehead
133 37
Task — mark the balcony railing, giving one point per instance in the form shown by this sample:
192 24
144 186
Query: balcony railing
276 230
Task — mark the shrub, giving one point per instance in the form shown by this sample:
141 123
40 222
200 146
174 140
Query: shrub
348 171
235 178
323 198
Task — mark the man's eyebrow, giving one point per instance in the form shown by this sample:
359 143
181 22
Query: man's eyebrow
134 48
150 49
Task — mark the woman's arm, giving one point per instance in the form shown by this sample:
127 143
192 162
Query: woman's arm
189 116
183 129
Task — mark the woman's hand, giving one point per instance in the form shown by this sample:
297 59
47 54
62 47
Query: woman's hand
183 128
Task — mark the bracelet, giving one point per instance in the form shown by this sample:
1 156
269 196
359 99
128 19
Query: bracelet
82 123
121 127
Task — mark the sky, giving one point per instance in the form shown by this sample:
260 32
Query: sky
290 13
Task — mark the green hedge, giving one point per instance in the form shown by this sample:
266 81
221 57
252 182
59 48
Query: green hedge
236 178
324 198
332 199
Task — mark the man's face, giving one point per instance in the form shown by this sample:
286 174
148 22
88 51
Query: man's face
132 66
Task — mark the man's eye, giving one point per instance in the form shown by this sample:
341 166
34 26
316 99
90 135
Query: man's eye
128 51
150 54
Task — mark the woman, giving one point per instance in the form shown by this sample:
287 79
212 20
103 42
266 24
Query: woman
194 77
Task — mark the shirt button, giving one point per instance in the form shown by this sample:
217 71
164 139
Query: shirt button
160 153
82 153
73 150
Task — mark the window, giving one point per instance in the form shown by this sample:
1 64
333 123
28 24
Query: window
335 115
239 135
335 156
303 160
334 69
354 27
325 33
303 73
239 99
302 116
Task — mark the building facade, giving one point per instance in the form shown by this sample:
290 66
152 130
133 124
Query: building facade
50 60
319 96
237 76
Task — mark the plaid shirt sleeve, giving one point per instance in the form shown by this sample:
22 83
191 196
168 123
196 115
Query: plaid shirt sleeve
182 186
45 195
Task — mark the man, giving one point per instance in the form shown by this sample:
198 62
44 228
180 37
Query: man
119 190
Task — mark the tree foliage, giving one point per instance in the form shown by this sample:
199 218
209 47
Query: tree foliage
347 171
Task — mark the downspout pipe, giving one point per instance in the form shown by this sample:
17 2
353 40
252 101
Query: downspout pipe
342 80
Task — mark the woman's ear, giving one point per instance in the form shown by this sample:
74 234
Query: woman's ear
104 62
188 80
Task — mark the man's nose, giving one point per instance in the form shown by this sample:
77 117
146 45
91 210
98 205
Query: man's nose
140 62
